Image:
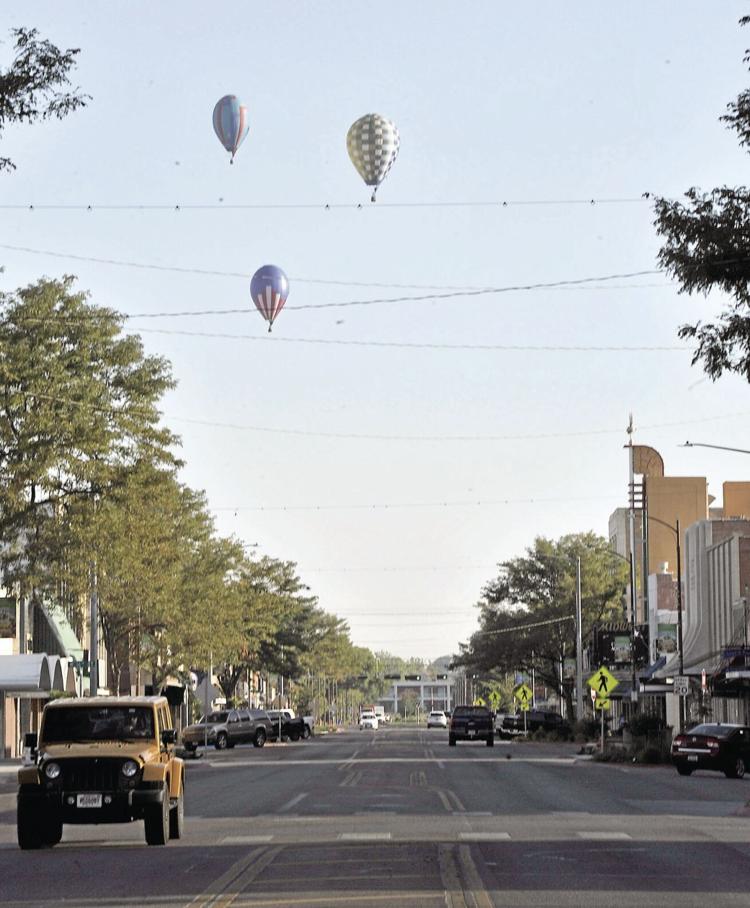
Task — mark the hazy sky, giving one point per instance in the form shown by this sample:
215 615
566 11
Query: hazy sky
495 101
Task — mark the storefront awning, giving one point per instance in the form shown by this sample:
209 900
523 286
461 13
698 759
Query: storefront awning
27 675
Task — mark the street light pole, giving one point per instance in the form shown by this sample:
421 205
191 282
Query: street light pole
579 645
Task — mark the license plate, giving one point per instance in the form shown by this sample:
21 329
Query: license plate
692 759
89 800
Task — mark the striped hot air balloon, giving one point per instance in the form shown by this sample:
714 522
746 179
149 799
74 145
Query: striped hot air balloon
269 289
373 143
231 123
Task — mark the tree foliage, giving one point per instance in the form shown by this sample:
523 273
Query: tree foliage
78 408
526 613
34 86
706 246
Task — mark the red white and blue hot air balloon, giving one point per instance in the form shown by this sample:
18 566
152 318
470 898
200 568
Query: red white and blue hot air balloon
231 123
269 289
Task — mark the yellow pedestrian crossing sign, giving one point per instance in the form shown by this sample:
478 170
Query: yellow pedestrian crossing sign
601 703
603 682
524 695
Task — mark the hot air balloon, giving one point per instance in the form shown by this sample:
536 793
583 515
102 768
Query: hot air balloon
231 123
372 143
269 289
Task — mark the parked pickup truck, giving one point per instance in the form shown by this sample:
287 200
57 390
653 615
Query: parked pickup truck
227 727
292 727
471 723
535 719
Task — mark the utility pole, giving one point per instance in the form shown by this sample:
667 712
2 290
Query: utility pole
94 636
631 522
679 620
579 644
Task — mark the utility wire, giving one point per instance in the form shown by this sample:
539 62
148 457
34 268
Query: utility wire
351 435
324 206
409 505
425 297
416 345
523 627
122 263
442 438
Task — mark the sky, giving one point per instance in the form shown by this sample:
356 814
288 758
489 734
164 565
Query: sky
396 477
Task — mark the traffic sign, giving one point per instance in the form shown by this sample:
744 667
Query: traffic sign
602 703
524 694
603 682
681 685
494 699
593 695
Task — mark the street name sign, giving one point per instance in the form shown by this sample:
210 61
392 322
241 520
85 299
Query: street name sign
603 682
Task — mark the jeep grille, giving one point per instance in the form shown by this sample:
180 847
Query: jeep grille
97 774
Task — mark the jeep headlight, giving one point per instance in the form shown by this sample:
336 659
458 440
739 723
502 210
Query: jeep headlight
52 770
129 768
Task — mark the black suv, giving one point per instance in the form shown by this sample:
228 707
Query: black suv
227 727
536 719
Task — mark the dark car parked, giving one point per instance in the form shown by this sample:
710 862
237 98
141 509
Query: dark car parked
536 719
227 727
722 747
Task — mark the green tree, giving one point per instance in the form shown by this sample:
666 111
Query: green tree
707 247
529 608
33 86
78 408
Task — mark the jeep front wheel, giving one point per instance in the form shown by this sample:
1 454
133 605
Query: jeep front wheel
156 820
29 827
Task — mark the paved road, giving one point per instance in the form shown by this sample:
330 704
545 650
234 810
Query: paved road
396 817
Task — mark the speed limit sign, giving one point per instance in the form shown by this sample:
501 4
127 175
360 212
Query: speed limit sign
681 685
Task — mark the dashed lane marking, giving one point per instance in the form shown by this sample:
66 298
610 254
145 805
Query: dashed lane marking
246 840
364 836
484 836
293 803
603 836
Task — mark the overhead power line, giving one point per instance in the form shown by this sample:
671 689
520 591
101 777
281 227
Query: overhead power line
523 627
540 436
468 503
221 205
415 345
212 272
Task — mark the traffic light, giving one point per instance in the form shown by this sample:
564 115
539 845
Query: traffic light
392 677
412 677
441 677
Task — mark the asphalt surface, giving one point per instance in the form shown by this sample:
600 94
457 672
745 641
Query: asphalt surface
396 817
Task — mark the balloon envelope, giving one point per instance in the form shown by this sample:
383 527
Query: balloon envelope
231 123
269 289
373 143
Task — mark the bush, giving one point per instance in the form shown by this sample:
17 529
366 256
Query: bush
613 755
650 754
643 725
586 729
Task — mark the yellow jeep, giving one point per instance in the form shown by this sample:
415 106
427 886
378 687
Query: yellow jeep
102 760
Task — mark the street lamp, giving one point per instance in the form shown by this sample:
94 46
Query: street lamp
676 531
699 444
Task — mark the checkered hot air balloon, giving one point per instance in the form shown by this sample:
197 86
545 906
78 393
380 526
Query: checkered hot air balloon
231 123
372 143
269 289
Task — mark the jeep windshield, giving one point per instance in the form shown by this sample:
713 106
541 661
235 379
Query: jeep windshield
100 723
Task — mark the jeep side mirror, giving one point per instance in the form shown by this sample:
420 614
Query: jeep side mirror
29 740
168 736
